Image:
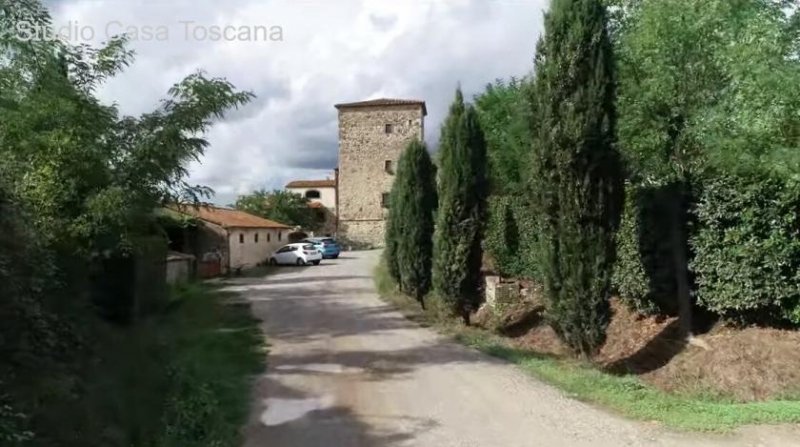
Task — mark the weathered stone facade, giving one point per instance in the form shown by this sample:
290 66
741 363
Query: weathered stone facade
372 135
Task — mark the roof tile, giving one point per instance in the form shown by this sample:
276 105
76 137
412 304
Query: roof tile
227 217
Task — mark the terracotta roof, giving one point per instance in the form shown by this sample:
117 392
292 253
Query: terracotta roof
384 102
228 218
312 184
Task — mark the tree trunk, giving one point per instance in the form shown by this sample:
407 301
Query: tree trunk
679 256
465 317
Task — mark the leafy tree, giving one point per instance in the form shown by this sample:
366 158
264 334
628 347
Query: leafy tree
411 220
504 112
463 189
281 206
577 175
78 182
688 109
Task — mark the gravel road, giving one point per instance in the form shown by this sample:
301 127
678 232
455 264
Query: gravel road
344 369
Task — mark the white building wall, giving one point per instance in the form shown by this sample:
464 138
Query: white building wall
245 252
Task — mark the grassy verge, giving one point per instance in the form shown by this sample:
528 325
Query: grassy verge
180 378
626 395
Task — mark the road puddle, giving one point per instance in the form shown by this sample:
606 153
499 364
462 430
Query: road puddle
281 411
325 368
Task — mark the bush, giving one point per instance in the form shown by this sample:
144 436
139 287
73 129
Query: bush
644 274
511 237
747 249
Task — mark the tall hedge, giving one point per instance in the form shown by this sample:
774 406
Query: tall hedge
577 172
463 189
747 249
413 204
511 237
644 274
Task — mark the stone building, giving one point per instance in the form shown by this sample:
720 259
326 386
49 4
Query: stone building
372 135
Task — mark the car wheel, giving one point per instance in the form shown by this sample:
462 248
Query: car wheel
273 261
315 262
300 261
335 256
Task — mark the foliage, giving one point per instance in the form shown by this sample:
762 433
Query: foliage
727 103
644 274
78 184
748 249
577 174
504 116
411 220
689 112
281 206
462 202
511 237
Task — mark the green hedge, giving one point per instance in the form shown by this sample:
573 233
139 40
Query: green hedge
644 274
510 238
747 248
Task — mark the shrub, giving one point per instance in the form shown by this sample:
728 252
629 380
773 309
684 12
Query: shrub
747 249
644 273
511 237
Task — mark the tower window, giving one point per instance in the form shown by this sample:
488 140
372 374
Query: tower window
388 128
255 238
268 236
385 200
312 194
387 166
280 235
241 238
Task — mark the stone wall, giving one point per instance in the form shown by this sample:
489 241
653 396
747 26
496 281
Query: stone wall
361 234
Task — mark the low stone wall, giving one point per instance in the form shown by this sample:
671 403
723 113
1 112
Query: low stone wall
180 267
364 234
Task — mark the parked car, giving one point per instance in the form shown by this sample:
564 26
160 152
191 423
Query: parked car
296 254
326 245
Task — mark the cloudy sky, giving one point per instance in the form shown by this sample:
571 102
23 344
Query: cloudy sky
302 57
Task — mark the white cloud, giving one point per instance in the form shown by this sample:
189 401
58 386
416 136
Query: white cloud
331 52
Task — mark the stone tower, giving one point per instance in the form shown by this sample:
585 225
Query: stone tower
372 135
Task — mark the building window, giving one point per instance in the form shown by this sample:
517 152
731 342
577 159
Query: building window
268 237
385 200
387 166
255 238
241 238
312 194
388 128
280 235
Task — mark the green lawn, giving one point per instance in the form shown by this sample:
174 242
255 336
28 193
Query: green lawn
626 395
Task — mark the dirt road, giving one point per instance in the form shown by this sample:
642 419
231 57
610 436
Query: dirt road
344 369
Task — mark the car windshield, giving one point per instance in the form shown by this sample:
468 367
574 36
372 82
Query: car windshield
308 247
329 241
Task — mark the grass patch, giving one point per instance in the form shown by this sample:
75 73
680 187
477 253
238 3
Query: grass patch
626 395
180 378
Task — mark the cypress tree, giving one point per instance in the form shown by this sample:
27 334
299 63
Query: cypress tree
413 203
462 206
577 177
391 237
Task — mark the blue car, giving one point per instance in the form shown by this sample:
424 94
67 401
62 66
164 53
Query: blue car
326 245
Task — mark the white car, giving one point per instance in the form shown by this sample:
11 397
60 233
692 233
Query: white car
296 254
